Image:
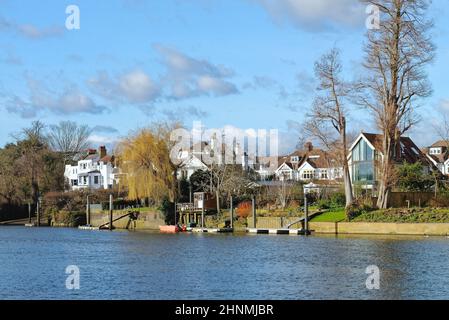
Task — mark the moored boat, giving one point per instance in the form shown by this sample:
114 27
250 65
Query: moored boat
169 229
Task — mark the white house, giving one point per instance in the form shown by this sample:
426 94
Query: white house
309 165
95 171
201 155
365 155
438 154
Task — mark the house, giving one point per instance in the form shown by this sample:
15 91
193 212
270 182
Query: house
366 152
201 155
438 154
309 164
96 170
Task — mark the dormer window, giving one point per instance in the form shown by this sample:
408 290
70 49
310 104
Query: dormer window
294 159
435 151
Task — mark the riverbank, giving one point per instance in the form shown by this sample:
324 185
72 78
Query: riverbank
414 221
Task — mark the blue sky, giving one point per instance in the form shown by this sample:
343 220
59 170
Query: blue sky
244 63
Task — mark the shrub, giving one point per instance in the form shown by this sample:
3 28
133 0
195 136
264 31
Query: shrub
358 207
324 204
338 199
244 209
168 209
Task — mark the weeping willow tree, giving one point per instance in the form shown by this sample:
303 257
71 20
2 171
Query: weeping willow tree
145 162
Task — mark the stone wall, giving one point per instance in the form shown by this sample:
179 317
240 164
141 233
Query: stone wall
150 220
430 229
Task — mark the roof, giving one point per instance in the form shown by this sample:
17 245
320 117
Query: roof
317 158
440 143
107 159
409 150
91 157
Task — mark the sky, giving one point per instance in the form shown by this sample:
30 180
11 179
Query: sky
240 63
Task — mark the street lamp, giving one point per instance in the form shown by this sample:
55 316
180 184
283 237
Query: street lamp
307 189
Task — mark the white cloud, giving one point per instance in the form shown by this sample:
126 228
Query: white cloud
134 87
33 32
29 30
189 77
315 15
69 101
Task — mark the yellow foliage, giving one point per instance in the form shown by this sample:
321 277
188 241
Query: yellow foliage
145 162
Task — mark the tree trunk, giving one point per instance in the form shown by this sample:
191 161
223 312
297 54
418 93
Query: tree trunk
346 176
217 196
348 186
386 173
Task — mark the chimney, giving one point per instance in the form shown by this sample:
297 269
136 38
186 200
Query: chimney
308 146
102 152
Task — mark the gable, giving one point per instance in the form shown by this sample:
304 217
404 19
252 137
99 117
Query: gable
284 167
193 162
306 166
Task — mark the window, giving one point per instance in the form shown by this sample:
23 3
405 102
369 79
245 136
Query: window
95 179
324 174
362 163
307 175
294 159
435 151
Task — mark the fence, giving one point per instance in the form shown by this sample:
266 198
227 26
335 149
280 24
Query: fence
412 199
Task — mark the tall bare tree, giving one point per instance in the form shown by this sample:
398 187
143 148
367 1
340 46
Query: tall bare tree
396 55
327 119
69 138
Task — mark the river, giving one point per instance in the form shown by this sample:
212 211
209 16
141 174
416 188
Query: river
145 265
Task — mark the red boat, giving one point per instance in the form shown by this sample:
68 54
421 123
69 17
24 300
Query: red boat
169 229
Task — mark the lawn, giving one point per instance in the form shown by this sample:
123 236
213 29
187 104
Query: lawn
333 215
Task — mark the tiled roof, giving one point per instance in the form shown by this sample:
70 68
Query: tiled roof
409 150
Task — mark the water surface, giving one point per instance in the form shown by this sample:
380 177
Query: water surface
143 265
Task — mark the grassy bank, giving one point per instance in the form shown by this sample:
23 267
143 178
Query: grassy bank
332 215
401 215
413 215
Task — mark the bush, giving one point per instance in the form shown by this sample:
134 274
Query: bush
358 207
324 204
244 209
441 200
168 209
338 199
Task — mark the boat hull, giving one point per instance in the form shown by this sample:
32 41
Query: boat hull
169 229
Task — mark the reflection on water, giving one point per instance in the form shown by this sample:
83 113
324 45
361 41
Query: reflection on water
141 265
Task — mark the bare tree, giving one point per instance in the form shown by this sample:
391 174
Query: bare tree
327 119
442 129
69 138
283 192
396 54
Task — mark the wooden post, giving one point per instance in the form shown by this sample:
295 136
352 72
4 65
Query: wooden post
110 212
88 211
175 214
38 213
306 218
253 202
29 213
232 214
202 216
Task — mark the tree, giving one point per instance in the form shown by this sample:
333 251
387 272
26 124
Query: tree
282 192
69 138
396 54
145 162
12 180
33 147
328 115
413 178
